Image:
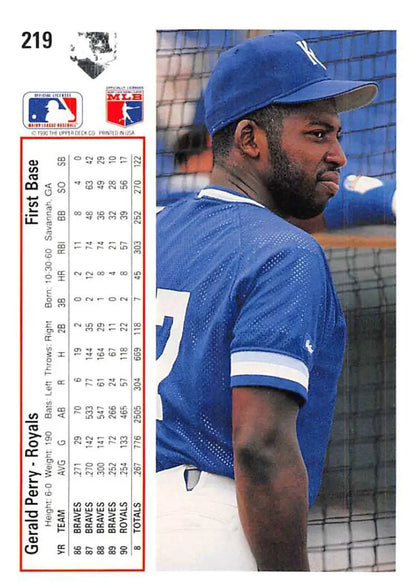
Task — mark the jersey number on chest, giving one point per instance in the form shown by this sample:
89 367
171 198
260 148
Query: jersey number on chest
170 303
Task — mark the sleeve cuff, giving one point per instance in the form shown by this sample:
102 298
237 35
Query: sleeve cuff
265 368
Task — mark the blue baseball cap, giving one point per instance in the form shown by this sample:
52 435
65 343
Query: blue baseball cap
276 68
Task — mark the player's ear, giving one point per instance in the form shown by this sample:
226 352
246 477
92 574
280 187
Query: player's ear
249 138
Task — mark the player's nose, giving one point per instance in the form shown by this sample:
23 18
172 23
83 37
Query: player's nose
336 154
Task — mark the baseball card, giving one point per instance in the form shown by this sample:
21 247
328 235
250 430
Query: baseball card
199 294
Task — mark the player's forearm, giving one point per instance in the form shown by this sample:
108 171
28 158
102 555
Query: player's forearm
273 509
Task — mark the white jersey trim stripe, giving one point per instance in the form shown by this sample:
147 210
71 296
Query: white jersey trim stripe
227 196
263 363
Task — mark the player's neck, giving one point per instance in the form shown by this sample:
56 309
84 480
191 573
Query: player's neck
244 182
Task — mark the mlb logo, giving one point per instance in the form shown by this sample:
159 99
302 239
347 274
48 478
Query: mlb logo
52 110
124 105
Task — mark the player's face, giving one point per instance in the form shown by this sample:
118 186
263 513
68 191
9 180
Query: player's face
304 161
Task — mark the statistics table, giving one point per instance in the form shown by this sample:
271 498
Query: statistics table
82 353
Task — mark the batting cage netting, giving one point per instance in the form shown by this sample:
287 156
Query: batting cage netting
352 524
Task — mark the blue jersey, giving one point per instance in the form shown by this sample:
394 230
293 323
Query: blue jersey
244 299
